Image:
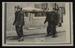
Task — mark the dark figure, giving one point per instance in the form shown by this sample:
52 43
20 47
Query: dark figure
19 22
53 19
61 12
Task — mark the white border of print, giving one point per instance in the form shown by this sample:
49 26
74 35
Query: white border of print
3 14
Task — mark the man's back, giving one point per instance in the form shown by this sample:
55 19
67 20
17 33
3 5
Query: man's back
52 17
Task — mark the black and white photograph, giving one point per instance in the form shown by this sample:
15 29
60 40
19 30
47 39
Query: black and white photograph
37 24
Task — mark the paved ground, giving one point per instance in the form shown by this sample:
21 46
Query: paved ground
36 36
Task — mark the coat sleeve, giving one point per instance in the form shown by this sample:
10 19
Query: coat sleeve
15 18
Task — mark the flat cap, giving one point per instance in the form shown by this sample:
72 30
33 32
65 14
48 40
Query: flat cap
17 7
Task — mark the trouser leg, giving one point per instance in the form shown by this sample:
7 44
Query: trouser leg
48 30
19 31
53 28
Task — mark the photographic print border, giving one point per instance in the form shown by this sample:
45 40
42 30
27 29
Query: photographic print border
4 9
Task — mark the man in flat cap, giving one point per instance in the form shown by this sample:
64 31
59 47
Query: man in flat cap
19 22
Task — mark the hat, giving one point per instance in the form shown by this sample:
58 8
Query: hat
17 7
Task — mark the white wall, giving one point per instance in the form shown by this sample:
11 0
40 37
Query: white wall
10 13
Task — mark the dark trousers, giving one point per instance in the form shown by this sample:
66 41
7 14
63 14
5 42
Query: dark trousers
51 29
19 31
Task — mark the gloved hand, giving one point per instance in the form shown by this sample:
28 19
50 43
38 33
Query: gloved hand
59 24
44 22
13 23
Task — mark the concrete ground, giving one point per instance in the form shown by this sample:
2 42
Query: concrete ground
36 36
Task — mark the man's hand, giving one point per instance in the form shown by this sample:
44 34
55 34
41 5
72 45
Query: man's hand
13 23
59 24
44 22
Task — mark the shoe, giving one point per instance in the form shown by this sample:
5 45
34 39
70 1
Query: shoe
50 34
47 35
54 36
21 39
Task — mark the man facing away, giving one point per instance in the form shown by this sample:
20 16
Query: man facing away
52 17
19 22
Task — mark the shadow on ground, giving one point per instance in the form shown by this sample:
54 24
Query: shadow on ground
15 37
37 35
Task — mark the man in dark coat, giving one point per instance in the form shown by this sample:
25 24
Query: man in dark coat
19 22
52 18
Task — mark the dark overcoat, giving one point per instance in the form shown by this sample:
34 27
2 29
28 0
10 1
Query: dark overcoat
52 17
19 18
